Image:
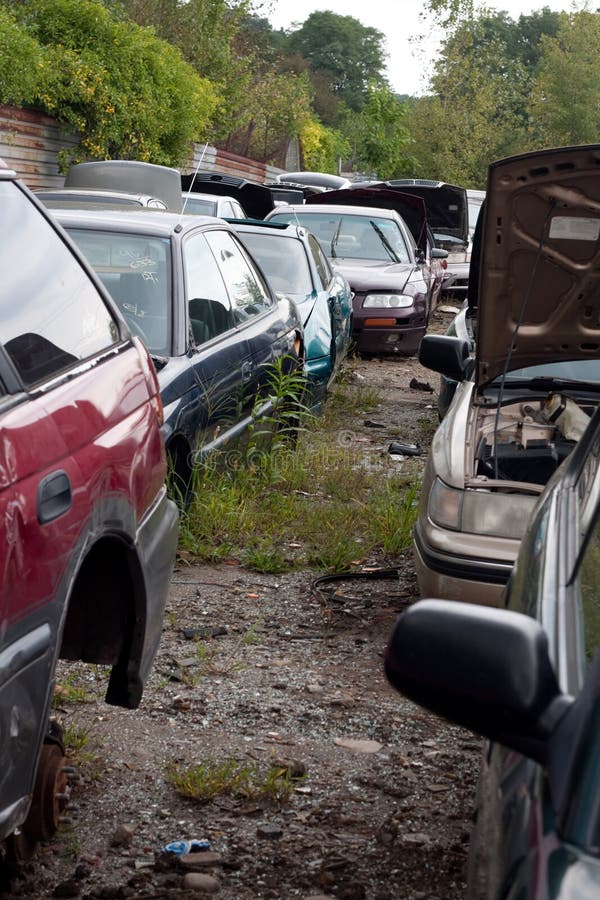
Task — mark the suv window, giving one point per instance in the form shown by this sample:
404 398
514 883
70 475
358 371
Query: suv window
45 330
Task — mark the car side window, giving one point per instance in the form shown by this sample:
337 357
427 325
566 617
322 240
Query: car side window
247 289
51 314
323 268
208 301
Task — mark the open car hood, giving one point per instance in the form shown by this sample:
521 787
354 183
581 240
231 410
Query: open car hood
539 269
446 204
411 209
255 198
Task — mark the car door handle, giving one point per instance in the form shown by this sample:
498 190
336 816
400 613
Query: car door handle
54 497
246 371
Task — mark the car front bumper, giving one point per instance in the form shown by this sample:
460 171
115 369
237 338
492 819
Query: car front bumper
453 574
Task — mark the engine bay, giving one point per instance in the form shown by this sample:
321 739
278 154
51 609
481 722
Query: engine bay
527 441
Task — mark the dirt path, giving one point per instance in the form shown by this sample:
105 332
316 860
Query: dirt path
382 792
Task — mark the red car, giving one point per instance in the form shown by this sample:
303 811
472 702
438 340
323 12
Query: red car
87 533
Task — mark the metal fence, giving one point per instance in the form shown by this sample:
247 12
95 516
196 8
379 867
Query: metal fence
30 142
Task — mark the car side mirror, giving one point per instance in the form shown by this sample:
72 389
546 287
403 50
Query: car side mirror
448 355
438 253
489 670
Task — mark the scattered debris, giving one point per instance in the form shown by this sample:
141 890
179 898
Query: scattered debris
417 385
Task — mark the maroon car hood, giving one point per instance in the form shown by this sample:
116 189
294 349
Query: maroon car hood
379 276
411 209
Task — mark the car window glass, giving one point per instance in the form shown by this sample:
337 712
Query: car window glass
199 206
353 236
284 262
136 271
51 314
249 294
208 301
322 266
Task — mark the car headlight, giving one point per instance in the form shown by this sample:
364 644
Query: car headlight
387 301
480 511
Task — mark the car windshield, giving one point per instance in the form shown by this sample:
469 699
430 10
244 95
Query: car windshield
353 236
578 370
136 271
284 262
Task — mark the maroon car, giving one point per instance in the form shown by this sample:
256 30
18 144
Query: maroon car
388 269
87 533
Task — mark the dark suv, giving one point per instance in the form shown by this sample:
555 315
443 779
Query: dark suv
87 534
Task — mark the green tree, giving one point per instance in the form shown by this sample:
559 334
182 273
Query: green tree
378 135
351 55
20 60
471 117
565 107
126 92
275 107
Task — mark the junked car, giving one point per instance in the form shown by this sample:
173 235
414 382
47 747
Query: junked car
524 398
448 214
526 678
60 198
192 292
295 265
375 251
223 207
255 199
87 533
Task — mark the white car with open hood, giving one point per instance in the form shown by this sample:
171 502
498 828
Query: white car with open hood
525 396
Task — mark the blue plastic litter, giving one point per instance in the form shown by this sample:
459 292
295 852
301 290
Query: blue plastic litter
183 847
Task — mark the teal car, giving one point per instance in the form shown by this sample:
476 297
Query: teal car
295 266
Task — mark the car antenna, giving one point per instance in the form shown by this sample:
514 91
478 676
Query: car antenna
526 297
197 169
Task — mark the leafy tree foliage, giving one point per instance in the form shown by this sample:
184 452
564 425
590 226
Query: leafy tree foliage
480 104
128 94
322 148
20 59
378 135
565 106
350 54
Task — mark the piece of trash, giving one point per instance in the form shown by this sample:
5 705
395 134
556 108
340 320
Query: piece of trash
252 596
399 449
203 631
370 424
420 385
182 847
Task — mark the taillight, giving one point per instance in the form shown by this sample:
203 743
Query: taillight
151 379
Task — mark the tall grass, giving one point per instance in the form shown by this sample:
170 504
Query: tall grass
306 501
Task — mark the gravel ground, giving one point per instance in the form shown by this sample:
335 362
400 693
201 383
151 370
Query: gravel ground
289 675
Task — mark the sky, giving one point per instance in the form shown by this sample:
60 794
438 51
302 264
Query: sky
399 21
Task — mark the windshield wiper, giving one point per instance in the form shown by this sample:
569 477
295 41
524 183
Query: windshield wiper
392 253
335 237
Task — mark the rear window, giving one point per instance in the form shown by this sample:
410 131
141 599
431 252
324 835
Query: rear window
51 315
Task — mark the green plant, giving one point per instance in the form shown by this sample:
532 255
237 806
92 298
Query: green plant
68 690
207 780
